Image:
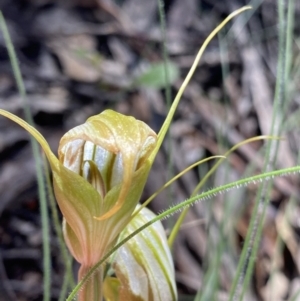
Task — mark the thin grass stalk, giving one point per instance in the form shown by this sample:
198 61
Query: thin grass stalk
287 100
38 162
223 51
254 232
211 279
262 200
68 281
289 48
162 21
277 122
293 201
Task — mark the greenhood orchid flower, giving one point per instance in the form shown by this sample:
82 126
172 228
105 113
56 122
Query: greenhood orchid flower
98 178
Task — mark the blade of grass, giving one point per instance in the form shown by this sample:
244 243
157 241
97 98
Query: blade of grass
248 256
277 122
69 281
287 72
170 171
217 247
38 162
162 21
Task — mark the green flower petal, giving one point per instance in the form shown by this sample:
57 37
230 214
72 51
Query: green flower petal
144 264
124 136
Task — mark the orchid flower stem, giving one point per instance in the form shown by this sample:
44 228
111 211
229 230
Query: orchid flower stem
38 165
92 290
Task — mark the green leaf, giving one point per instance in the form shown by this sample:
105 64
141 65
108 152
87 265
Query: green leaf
155 76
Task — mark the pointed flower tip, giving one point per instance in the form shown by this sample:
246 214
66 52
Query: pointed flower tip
35 133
